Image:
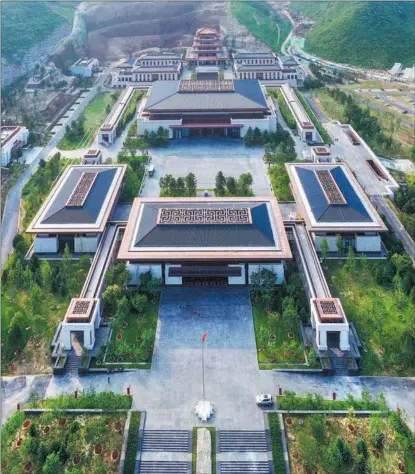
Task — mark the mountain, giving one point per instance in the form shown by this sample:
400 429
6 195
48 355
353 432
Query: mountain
370 34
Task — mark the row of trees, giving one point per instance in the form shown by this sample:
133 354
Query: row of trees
129 113
156 139
284 109
405 200
271 140
75 131
229 186
178 187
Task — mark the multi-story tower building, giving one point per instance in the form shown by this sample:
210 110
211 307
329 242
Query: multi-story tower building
207 48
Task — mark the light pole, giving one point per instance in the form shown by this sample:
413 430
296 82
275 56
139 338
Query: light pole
203 364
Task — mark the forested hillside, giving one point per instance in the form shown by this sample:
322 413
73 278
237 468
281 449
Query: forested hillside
27 23
370 34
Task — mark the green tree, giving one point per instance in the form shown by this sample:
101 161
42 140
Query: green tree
139 302
351 259
263 281
244 184
249 136
361 447
324 249
191 185
231 185
118 275
131 186
362 465
111 296
309 450
339 244
180 187
46 274
52 464
123 309
220 183
345 451
318 427
332 459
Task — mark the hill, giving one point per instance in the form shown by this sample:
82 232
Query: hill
370 34
26 23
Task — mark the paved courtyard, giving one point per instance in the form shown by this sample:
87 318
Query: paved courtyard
205 158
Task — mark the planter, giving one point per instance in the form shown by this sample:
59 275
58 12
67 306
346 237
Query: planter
62 422
98 362
76 459
401 467
265 348
350 427
133 356
46 429
291 335
138 338
112 359
107 421
120 359
271 358
293 353
301 359
328 423
117 426
125 325
289 421
115 455
286 355
19 442
98 449
26 424
4 465
140 319
28 467
296 456
272 337
119 337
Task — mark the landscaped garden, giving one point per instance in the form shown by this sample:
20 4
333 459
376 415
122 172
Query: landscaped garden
284 109
59 441
81 132
278 311
133 315
333 443
378 297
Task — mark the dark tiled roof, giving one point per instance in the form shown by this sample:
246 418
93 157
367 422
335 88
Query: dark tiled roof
354 209
257 234
60 213
165 95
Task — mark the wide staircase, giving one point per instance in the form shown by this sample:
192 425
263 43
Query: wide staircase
243 452
166 452
72 364
339 365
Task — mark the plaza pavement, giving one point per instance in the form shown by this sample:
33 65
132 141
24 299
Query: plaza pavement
205 158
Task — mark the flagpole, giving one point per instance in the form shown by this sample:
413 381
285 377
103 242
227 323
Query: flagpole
203 370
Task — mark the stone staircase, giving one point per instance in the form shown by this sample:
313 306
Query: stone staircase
72 364
244 467
166 452
242 441
339 365
166 441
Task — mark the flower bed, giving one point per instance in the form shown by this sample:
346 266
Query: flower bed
83 440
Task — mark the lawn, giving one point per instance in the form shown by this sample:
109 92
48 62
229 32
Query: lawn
280 181
134 341
276 442
95 113
56 442
383 315
263 22
333 444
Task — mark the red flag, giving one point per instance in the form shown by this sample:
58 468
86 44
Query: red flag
204 337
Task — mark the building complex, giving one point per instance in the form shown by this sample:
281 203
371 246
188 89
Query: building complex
206 108
207 49
85 67
12 139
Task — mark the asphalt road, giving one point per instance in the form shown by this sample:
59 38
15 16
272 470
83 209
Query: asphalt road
12 206
382 206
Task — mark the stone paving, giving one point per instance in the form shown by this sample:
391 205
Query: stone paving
205 158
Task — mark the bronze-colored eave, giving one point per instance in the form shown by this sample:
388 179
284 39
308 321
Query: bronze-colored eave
212 255
380 227
35 229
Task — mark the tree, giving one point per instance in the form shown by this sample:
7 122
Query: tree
154 288
248 138
345 451
324 248
309 450
362 466
220 183
191 184
52 464
118 275
351 259
46 274
361 447
332 459
231 185
244 183
123 308
263 281
180 187
339 244
131 186
139 302
318 427
111 296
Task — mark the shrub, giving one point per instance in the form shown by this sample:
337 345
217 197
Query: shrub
361 447
318 427
88 399
332 459
132 442
277 449
309 450
362 466
345 451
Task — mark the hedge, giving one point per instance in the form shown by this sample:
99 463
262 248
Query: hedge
284 109
132 442
276 442
86 400
321 130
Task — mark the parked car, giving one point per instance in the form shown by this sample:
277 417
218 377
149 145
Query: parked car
264 400
151 170
404 112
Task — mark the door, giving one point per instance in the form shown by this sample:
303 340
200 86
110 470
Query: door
333 339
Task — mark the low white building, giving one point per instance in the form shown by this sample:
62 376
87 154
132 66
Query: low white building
332 203
77 210
82 317
36 82
321 154
148 68
92 157
330 323
305 127
12 139
396 69
267 66
85 67
206 108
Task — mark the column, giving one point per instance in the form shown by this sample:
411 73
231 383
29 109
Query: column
344 340
323 338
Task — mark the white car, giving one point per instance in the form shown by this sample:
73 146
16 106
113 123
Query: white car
264 400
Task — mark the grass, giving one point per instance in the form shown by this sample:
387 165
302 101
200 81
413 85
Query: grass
95 113
284 109
212 430
276 442
60 444
263 22
300 436
280 181
382 314
321 130
132 442
86 400
137 324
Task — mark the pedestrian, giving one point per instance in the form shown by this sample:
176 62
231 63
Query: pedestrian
109 379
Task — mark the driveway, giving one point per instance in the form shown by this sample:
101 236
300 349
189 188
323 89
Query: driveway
205 158
170 391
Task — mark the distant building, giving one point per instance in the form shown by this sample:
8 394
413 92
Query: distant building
321 154
206 109
267 66
207 48
408 74
148 68
92 157
330 323
332 203
12 139
36 82
77 209
396 69
85 67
